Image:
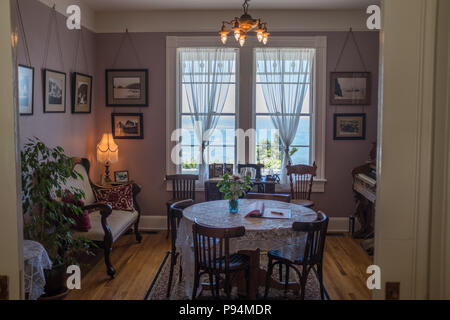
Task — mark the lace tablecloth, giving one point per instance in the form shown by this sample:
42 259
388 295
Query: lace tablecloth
263 234
36 260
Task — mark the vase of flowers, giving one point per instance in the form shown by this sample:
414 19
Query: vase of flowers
234 187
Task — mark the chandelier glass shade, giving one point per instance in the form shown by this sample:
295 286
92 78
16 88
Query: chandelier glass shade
241 26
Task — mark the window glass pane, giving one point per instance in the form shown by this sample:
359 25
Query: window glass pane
260 102
189 137
302 138
189 91
300 155
189 159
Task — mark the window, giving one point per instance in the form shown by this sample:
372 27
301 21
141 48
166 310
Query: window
207 91
200 66
284 111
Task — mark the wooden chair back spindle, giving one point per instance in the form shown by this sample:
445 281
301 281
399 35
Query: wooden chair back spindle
212 244
183 186
315 240
301 179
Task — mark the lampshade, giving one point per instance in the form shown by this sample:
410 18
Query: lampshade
107 149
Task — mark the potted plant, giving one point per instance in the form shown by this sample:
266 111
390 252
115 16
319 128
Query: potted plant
48 219
233 187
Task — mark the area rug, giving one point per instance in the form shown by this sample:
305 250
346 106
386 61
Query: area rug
158 288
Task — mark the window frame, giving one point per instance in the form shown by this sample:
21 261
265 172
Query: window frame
180 113
311 113
245 55
318 100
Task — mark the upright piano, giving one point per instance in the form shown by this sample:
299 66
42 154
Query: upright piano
364 188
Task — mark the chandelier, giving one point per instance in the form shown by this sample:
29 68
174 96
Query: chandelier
241 26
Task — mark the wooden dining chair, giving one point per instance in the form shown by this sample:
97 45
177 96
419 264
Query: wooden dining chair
212 257
183 188
308 256
269 196
301 179
175 215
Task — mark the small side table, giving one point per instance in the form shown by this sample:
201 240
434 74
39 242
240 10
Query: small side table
35 261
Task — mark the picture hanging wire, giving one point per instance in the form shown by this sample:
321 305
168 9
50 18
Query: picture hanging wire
350 34
126 36
53 18
21 27
80 41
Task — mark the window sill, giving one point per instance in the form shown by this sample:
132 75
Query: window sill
318 187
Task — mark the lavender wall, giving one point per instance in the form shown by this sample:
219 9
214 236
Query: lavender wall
74 132
145 159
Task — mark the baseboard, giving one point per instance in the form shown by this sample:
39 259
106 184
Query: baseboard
338 225
150 223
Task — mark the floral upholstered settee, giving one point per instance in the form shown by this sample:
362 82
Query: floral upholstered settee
107 225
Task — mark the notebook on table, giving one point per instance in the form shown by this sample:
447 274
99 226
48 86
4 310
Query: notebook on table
257 210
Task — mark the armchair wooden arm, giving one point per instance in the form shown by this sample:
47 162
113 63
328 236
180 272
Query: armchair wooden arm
104 208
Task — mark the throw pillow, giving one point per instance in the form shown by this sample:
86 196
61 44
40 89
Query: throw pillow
119 197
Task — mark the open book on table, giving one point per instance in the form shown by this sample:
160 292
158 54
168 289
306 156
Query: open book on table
258 210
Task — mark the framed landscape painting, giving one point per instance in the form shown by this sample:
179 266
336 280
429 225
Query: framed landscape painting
127 125
81 93
54 91
350 88
26 90
350 126
127 88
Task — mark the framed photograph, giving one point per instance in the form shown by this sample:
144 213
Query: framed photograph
350 88
26 90
127 125
54 91
81 93
218 170
350 126
228 169
121 176
127 88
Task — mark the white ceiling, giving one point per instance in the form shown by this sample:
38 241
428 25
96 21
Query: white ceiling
129 5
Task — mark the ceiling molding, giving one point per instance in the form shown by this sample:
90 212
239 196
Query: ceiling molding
210 21
87 14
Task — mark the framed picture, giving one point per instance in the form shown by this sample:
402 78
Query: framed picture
350 126
121 176
228 169
26 90
127 88
81 93
54 91
350 88
216 170
127 125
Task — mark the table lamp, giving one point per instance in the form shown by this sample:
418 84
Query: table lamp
107 152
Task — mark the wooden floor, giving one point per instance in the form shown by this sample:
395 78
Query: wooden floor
345 265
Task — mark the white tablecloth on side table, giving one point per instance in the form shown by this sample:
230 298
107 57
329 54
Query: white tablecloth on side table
263 234
36 260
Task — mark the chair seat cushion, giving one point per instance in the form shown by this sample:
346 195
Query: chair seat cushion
118 221
237 261
304 203
290 253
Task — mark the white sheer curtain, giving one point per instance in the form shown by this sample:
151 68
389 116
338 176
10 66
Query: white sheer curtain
206 74
284 74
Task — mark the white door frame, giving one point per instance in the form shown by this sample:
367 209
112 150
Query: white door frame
406 134
11 235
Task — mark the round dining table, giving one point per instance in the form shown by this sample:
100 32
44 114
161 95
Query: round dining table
262 234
